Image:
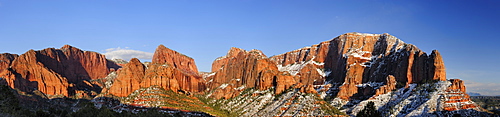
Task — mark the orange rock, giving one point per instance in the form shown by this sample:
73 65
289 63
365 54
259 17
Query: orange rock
241 69
173 70
163 55
438 68
6 60
356 58
388 87
457 84
57 71
128 79
28 74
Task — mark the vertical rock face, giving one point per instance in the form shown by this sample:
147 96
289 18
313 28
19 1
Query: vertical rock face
241 69
438 68
129 78
353 59
57 71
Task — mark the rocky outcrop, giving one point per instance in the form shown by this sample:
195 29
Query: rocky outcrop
438 68
388 87
6 60
128 78
241 69
458 85
354 58
456 98
61 71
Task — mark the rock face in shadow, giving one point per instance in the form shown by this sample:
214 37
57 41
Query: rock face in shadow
66 71
354 59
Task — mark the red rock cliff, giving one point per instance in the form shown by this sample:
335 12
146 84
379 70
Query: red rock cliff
6 60
241 69
57 71
128 78
352 59
169 70
163 55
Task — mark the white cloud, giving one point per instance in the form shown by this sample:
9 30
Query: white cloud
490 89
127 54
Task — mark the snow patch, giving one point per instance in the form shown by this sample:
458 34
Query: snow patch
223 86
240 88
370 84
293 68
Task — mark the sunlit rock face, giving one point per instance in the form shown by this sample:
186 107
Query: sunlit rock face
352 61
66 71
241 69
170 70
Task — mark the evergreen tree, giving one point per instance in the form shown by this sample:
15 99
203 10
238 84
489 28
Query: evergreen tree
369 111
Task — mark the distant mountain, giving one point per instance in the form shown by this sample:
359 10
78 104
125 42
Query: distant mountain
336 77
473 94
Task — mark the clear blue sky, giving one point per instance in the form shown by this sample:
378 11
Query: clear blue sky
465 32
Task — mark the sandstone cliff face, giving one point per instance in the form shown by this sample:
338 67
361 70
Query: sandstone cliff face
353 59
170 70
62 71
163 55
241 69
128 78
6 60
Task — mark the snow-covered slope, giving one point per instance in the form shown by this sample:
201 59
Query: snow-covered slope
292 102
429 99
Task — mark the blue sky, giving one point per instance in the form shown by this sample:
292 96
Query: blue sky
465 32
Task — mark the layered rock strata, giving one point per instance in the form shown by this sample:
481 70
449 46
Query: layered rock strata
456 97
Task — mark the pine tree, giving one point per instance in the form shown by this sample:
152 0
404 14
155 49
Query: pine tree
369 111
